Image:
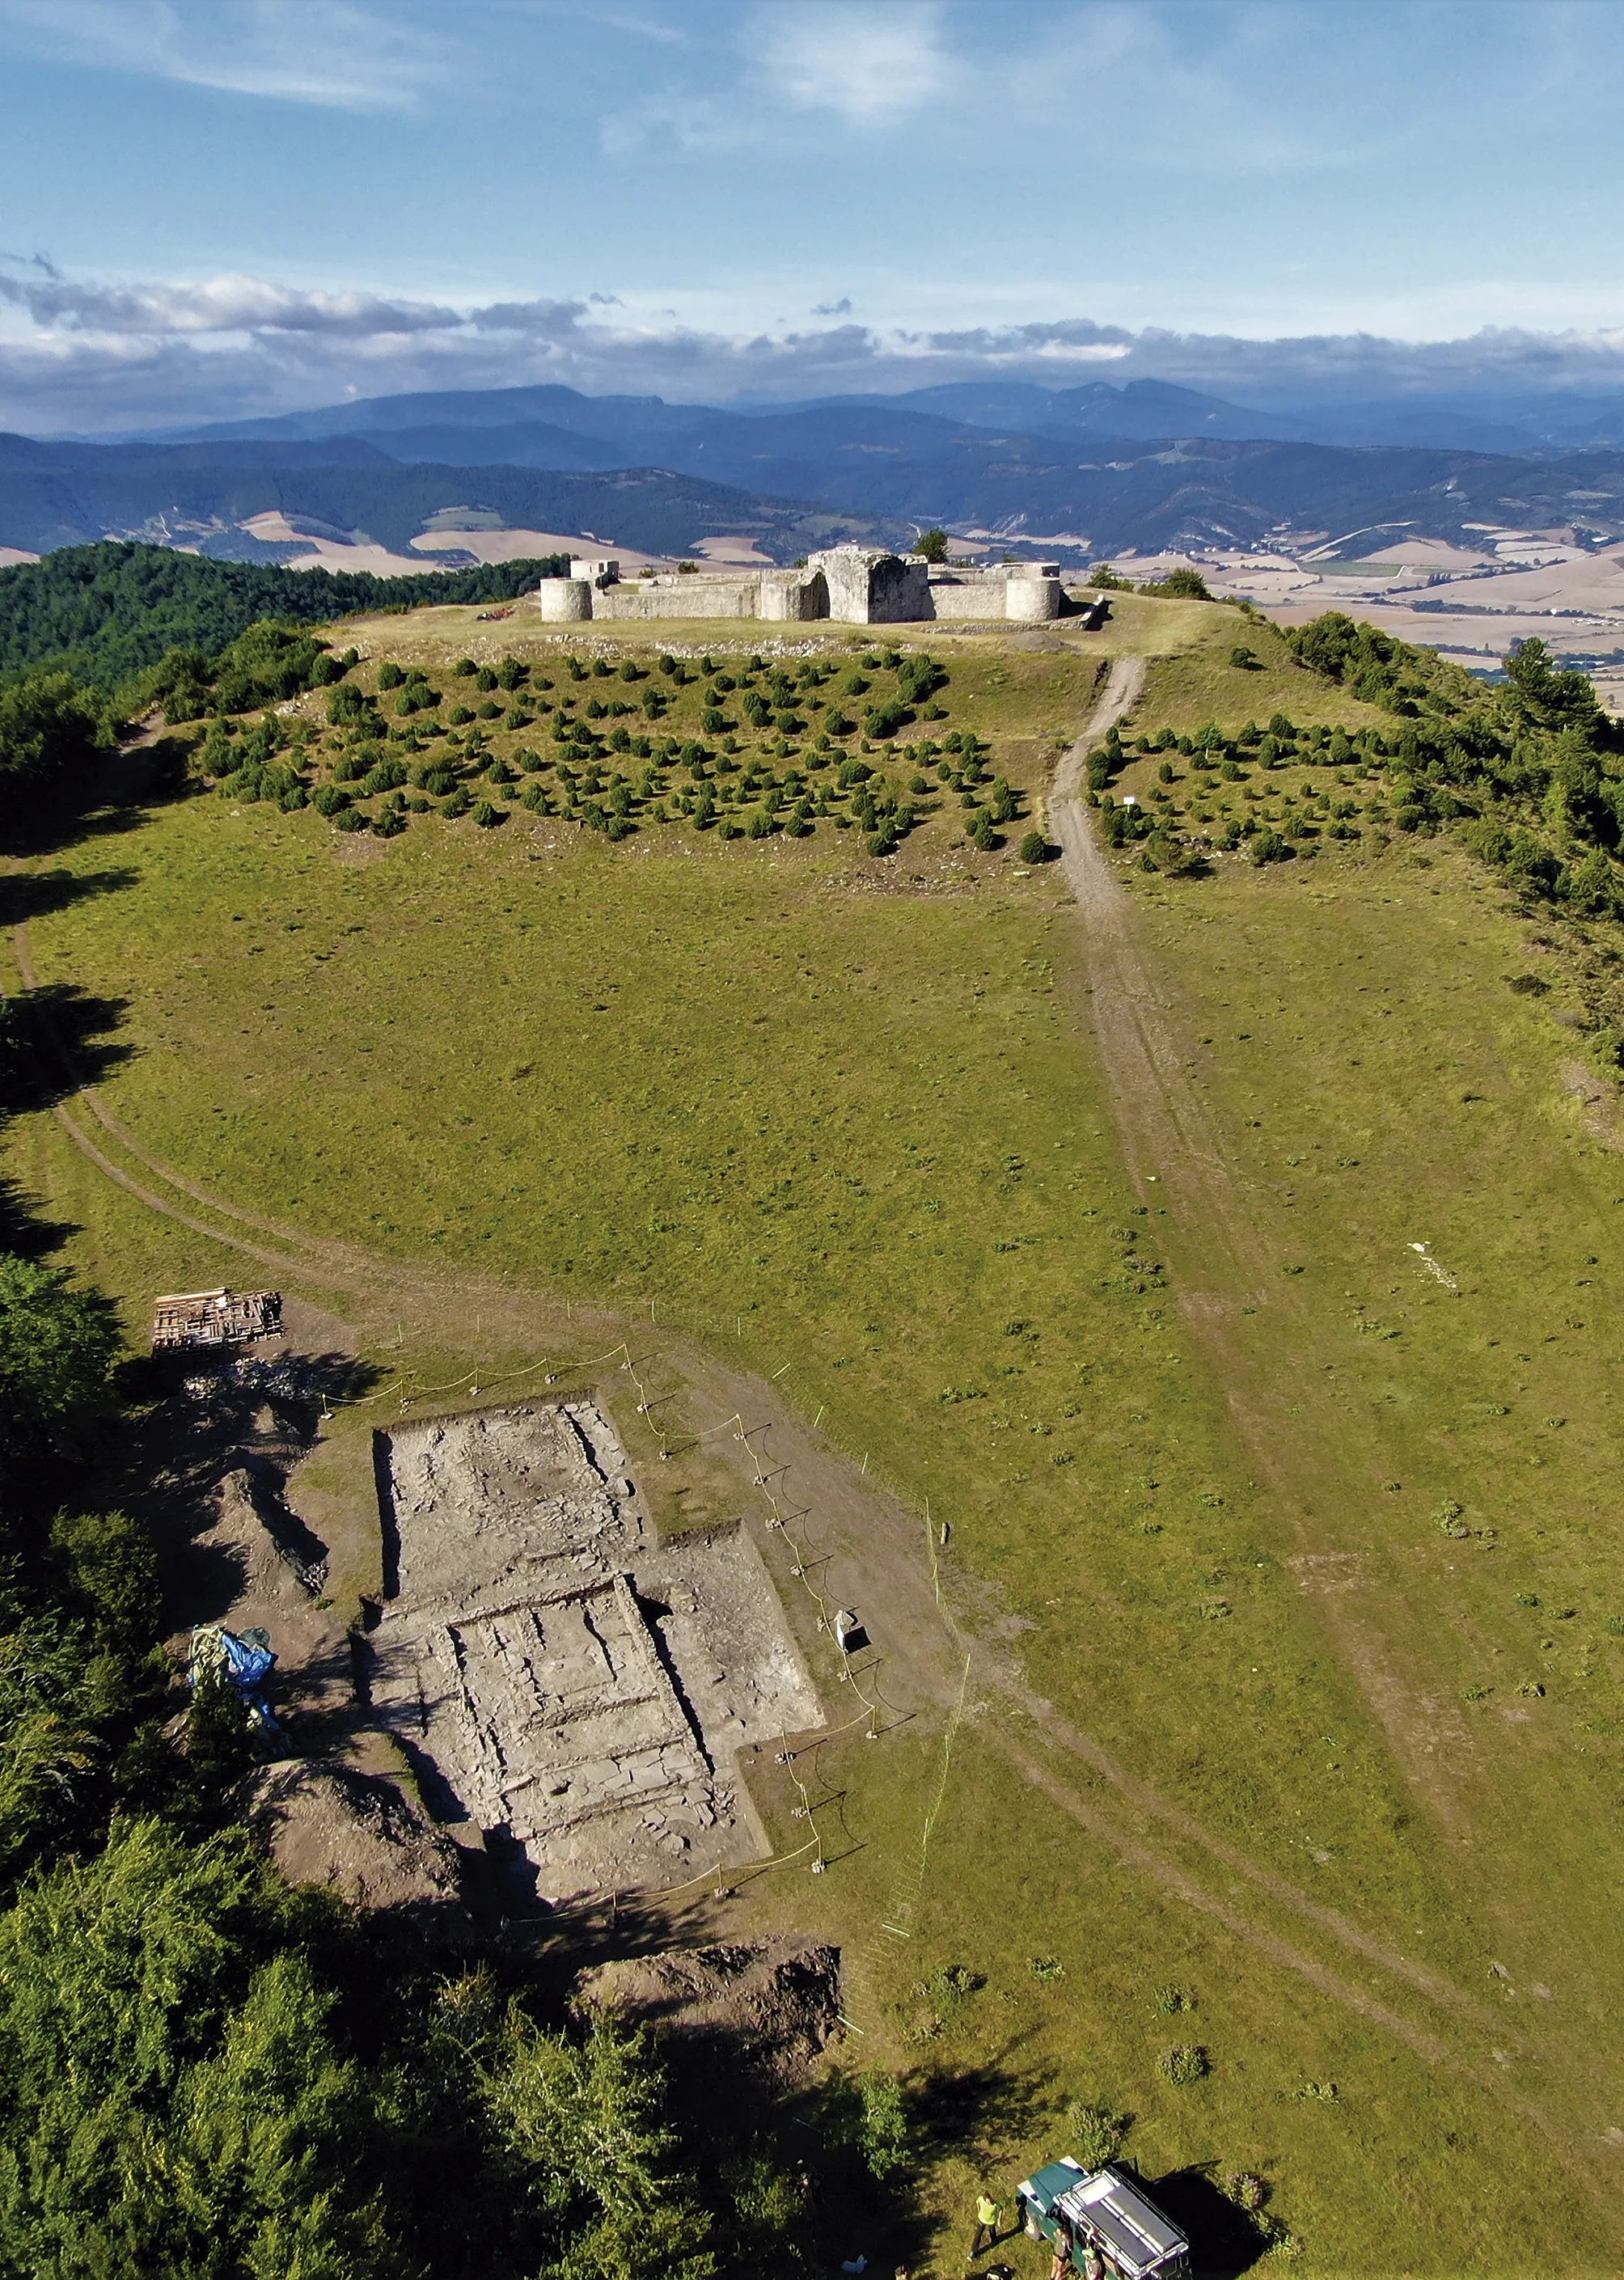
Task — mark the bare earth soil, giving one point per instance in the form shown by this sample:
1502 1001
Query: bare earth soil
561 1680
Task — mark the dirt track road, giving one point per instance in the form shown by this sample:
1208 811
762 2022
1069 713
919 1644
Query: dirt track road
1166 1132
1230 1271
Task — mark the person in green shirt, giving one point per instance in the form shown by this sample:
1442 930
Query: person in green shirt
988 2214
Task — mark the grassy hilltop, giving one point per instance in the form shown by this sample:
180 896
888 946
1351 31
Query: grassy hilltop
709 978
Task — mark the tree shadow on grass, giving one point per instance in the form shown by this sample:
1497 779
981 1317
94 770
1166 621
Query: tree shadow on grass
54 1040
559 1943
23 1232
53 829
113 799
27 895
979 2112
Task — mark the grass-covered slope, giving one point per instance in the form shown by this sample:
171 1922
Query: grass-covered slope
1295 1552
624 739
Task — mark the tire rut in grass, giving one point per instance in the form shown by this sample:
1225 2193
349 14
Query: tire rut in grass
1174 1157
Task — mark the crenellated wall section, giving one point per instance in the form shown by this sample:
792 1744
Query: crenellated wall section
852 585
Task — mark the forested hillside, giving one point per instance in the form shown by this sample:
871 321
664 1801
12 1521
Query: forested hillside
1179 469
1532 772
1528 775
57 495
104 613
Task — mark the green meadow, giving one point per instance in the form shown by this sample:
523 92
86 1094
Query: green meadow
1331 1571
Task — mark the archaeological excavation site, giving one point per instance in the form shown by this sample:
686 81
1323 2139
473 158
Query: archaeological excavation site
564 1684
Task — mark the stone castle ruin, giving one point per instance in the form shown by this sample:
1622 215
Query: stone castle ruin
853 585
559 1677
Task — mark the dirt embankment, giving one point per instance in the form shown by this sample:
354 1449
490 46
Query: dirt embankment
761 2009
222 1451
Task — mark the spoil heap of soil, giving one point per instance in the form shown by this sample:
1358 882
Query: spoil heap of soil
766 2006
325 1824
256 1582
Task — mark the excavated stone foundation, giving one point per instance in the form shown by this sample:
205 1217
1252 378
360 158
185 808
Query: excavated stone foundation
560 1678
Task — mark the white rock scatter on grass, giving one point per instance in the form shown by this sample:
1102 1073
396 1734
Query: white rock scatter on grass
560 1678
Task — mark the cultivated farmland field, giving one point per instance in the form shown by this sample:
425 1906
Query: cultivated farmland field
1227 1263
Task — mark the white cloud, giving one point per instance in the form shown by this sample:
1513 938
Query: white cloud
333 53
218 305
93 357
869 64
1077 339
641 25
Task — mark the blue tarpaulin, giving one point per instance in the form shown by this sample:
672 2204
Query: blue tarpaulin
245 1664
243 1661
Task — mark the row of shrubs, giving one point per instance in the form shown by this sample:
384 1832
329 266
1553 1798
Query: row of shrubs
885 820
1530 770
250 769
352 707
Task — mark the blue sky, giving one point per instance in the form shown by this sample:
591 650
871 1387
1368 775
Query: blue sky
215 207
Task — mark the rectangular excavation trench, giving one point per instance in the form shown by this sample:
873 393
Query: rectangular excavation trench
559 1678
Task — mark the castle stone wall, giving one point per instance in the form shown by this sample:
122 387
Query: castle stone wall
679 597
968 598
868 587
802 596
853 585
1031 599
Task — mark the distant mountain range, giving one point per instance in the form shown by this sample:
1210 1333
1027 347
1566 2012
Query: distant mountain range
1144 410
1144 467
345 486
